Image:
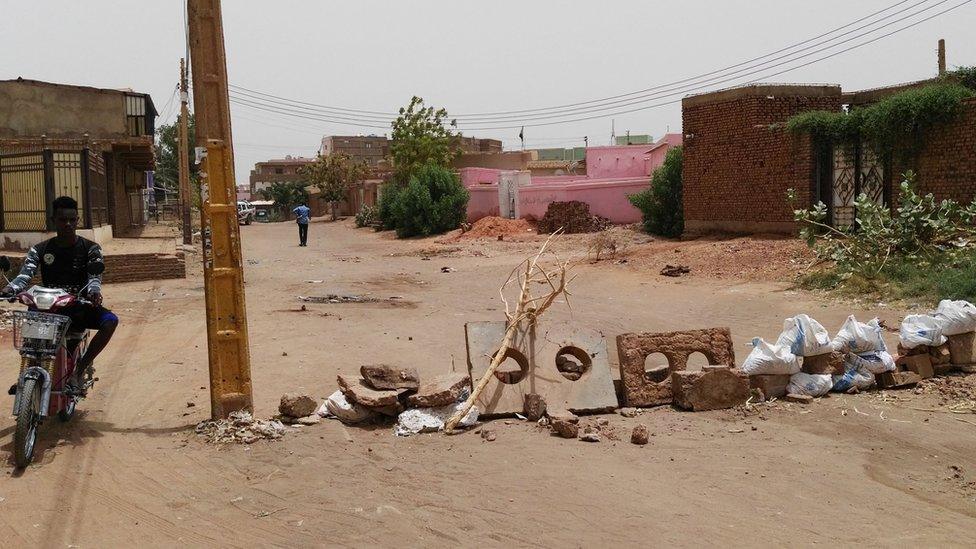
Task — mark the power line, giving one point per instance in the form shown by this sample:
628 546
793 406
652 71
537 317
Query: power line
289 110
608 102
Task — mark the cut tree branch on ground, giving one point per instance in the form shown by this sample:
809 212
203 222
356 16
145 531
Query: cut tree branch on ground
527 311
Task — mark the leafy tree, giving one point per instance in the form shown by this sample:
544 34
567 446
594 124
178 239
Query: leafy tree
386 206
333 175
433 202
168 155
661 204
286 195
420 137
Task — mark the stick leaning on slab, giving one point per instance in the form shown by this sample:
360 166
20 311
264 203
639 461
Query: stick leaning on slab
527 309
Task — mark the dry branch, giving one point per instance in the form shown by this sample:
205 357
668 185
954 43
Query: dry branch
527 310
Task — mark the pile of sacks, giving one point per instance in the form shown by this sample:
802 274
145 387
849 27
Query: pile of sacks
941 341
386 392
805 360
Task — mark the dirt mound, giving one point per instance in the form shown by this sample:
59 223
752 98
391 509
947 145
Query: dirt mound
493 227
573 217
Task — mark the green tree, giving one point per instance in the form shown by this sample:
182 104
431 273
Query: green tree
286 195
433 202
333 175
168 155
661 204
420 137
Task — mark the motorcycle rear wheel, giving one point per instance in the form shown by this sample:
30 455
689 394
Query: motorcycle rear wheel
28 419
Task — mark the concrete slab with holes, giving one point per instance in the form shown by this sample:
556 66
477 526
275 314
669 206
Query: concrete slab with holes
580 383
653 388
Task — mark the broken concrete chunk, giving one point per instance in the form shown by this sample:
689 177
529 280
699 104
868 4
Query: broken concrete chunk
941 354
439 391
356 390
896 380
920 364
799 399
590 434
565 429
386 377
771 385
308 420
296 405
563 415
832 363
640 435
535 407
713 388
962 348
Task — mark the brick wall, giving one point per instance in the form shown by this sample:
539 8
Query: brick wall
739 160
132 267
946 164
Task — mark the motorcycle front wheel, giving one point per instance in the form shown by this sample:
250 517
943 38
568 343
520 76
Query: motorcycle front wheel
27 421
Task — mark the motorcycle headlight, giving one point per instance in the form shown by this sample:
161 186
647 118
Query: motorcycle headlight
44 301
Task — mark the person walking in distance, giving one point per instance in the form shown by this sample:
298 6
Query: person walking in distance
302 214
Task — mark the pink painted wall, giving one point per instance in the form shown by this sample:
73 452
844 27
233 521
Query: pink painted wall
612 174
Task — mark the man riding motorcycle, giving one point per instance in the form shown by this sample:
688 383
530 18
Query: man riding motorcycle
63 261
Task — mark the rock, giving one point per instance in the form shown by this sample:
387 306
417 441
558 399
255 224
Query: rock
962 348
919 350
535 407
713 388
640 435
565 429
358 391
563 415
440 391
832 363
628 412
308 420
941 354
590 434
920 364
799 399
896 380
389 378
296 405
771 385
488 435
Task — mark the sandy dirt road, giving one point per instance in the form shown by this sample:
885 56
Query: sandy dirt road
129 470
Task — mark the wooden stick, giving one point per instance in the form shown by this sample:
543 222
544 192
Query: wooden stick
515 319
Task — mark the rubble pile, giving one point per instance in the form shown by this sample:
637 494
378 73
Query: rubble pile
240 427
572 217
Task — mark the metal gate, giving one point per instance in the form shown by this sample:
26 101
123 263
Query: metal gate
855 169
23 192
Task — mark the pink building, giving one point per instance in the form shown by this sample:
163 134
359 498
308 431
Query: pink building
612 174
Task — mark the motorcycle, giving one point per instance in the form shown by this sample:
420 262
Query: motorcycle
49 350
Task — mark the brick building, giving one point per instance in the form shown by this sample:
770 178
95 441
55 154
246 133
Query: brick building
93 144
282 170
739 159
478 145
372 150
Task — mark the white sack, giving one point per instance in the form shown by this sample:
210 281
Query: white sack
771 359
815 385
921 330
347 412
876 362
804 336
858 337
853 377
956 317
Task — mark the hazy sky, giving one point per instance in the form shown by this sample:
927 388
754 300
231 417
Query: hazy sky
471 57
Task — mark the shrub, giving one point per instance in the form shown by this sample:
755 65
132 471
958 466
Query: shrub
433 202
661 204
366 216
386 206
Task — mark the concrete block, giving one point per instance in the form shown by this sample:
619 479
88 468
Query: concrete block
713 388
897 380
944 369
440 391
940 354
828 363
390 378
535 352
358 391
962 348
644 389
771 385
920 364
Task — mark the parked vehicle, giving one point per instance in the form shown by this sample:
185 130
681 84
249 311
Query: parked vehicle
245 212
49 350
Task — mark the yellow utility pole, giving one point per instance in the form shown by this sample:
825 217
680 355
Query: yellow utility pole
185 200
230 370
